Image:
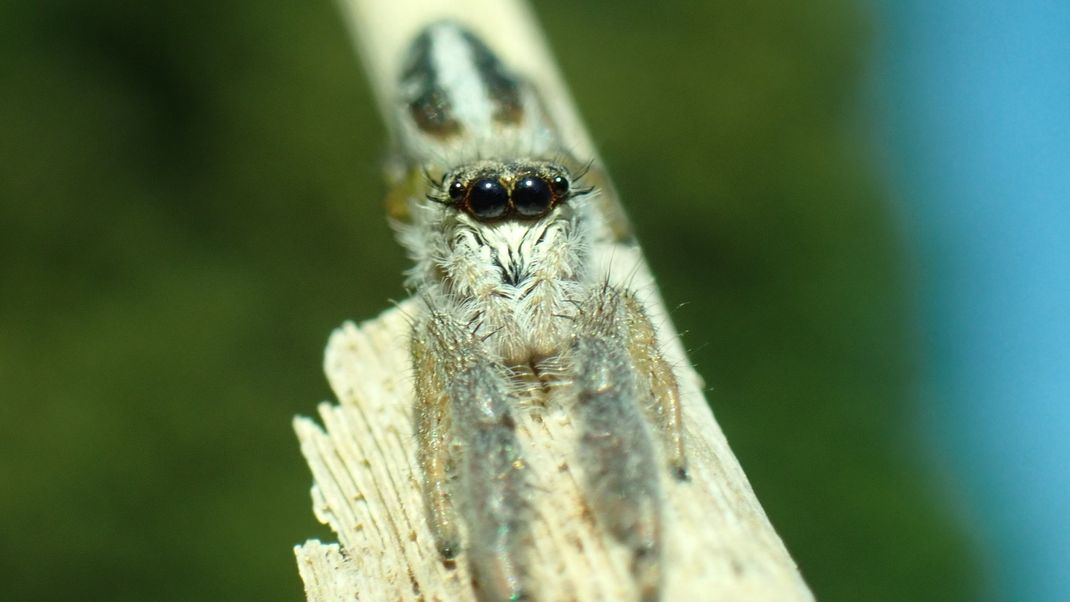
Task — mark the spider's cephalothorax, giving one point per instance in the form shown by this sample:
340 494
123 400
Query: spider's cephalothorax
503 236
504 247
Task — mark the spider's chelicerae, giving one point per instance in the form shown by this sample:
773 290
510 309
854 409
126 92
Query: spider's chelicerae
503 233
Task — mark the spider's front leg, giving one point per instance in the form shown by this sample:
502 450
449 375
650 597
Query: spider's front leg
462 405
620 375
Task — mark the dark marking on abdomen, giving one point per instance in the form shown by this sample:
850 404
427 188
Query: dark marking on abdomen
429 104
502 86
431 100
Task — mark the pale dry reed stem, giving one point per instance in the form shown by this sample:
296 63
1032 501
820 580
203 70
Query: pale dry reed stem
719 545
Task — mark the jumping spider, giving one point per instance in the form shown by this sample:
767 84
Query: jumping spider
503 233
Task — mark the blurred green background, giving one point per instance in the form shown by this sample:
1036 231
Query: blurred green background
190 200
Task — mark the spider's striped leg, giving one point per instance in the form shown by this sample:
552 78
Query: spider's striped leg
616 451
467 401
434 439
662 392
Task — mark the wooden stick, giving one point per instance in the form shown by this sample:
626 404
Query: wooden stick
719 544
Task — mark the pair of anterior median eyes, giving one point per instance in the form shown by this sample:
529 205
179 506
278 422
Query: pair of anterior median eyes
525 196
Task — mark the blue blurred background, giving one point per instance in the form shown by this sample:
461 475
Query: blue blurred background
858 207
973 100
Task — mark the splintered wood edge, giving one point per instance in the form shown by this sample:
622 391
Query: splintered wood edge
719 545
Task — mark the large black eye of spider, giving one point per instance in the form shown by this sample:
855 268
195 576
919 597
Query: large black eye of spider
532 196
488 199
